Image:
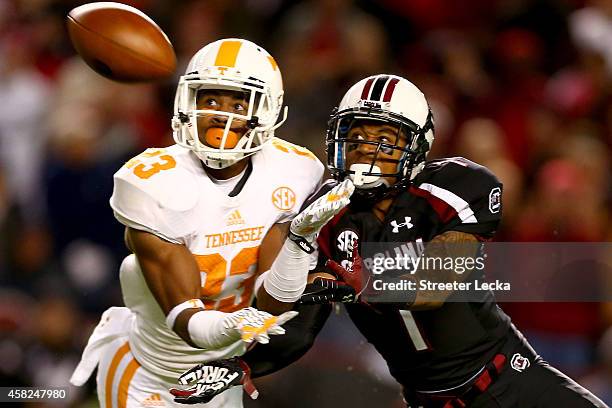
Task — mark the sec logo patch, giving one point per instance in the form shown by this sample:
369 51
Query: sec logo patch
283 198
345 242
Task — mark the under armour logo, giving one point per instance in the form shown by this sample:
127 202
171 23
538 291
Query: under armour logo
397 226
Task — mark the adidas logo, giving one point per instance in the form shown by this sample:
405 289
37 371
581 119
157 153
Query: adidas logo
235 218
154 400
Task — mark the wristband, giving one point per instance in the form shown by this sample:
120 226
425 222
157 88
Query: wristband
176 310
301 242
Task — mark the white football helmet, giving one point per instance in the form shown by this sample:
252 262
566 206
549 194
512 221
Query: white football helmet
236 65
390 99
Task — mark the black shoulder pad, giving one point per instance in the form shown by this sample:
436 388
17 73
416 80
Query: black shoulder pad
469 188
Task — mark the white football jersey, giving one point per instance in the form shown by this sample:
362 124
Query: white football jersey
168 193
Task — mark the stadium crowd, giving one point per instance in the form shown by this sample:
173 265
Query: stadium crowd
523 87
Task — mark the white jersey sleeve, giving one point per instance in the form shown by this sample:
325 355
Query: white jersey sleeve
152 192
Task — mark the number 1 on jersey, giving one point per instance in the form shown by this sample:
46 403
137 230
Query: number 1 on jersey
413 330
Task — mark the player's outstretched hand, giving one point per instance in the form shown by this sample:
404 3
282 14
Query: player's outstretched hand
347 288
353 275
307 224
251 324
204 381
325 290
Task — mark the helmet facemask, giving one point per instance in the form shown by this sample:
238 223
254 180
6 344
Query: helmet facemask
260 118
369 179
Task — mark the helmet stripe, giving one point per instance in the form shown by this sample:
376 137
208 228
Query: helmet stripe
273 63
228 53
378 87
390 89
366 89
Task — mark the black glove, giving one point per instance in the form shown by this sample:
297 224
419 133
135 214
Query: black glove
207 380
346 289
323 290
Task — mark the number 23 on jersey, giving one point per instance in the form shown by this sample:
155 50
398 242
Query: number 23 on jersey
234 278
150 162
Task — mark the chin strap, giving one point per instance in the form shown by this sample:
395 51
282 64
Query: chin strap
367 197
366 181
374 189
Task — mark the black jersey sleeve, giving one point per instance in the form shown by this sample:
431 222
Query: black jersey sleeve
300 333
464 195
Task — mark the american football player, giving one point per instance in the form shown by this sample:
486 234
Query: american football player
212 222
445 353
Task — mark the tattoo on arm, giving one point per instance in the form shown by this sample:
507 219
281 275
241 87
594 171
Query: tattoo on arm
455 236
442 249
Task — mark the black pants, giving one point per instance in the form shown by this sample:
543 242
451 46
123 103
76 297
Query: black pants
527 381
538 386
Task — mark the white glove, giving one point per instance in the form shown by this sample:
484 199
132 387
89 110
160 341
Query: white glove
211 329
251 324
309 222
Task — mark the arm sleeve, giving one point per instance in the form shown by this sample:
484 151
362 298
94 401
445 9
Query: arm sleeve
301 332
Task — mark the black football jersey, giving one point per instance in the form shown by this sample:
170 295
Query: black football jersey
441 348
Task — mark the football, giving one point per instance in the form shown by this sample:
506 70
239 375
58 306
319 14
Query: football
120 42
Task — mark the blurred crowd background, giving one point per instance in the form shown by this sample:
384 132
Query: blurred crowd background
521 86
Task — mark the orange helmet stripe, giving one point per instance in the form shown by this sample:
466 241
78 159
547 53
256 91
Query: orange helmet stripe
273 62
228 53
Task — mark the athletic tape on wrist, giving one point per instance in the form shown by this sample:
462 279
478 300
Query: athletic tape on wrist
210 329
286 279
176 310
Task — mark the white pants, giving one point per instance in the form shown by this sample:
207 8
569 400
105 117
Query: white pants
123 383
